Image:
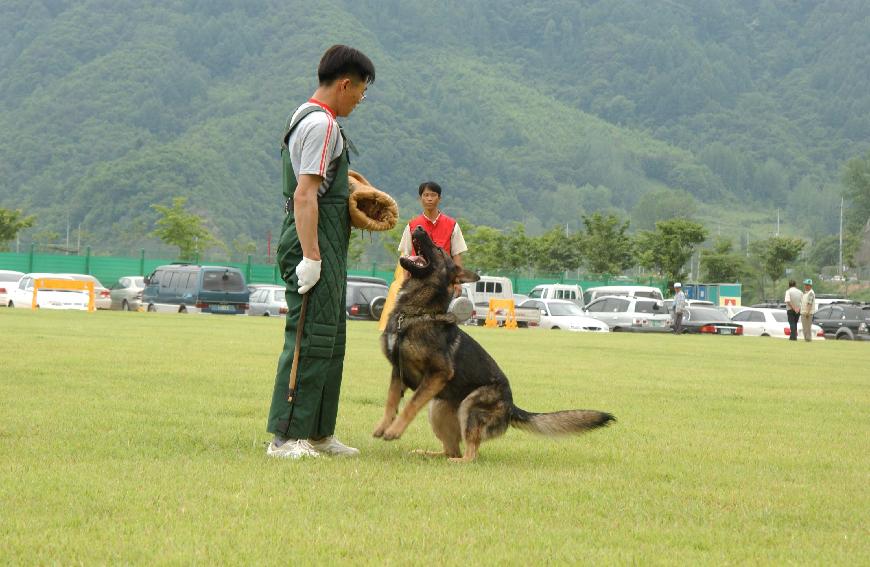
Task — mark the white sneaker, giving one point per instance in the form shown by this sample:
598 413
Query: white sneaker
332 446
292 449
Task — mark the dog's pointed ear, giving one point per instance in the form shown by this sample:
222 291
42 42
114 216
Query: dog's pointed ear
466 276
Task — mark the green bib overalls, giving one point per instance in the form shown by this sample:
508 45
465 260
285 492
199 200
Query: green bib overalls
321 359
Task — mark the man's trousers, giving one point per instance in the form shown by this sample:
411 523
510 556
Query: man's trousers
793 318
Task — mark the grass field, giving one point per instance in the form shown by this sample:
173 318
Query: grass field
139 438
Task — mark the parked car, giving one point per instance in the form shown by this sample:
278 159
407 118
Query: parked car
669 303
252 287
560 314
844 322
367 279
496 287
623 313
22 295
573 293
762 322
126 293
524 316
650 292
769 304
8 282
486 288
708 320
268 301
191 288
731 310
102 296
365 299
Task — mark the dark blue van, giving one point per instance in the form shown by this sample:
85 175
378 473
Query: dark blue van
190 288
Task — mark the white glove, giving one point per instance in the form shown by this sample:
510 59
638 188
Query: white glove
308 272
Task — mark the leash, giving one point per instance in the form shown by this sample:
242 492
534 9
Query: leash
294 367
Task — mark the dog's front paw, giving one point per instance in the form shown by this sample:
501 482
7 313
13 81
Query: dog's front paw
381 427
393 433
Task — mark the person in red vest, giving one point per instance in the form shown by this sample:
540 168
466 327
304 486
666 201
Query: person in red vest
442 229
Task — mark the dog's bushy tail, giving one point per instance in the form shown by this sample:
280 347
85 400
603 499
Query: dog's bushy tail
565 422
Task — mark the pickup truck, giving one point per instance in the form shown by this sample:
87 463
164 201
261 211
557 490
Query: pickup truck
526 316
492 287
573 293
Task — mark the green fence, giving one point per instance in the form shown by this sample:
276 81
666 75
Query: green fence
108 269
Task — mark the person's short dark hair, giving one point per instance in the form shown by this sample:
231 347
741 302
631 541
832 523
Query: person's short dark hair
792 283
431 186
340 60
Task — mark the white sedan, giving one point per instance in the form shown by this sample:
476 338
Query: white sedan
765 322
559 314
8 282
22 295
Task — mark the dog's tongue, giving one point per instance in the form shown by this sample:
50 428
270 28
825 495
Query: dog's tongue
419 260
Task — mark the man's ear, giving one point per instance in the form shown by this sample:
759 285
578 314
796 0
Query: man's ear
465 276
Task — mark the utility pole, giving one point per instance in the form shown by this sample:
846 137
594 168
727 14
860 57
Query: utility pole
67 234
840 264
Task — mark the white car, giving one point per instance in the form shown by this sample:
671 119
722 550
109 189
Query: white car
268 301
8 281
22 295
763 322
563 314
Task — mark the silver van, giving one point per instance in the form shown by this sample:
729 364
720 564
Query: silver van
650 292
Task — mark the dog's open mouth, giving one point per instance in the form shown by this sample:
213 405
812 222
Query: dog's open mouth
418 261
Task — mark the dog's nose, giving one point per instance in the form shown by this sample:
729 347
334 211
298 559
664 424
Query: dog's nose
420 229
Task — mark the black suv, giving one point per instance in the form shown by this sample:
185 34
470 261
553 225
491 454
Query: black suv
842 321
365 298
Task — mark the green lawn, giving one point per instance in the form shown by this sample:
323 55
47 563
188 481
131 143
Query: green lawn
139 438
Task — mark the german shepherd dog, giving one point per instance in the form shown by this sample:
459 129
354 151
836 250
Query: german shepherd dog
470 396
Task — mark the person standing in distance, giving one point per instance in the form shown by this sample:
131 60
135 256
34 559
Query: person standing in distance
679 307
312 257
808 308
442 229
793 308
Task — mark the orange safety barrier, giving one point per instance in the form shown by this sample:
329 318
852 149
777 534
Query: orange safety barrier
496 305
56 283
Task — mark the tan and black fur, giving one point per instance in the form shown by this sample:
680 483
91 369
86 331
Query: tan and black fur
471 399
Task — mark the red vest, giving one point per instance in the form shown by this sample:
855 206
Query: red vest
440 232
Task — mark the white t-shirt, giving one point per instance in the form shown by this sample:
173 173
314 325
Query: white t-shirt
793 295
315 146
457 241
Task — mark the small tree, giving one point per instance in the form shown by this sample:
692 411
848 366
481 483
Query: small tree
669 246
177 227
554 251
773 254
607 249
721 263
11 223
486 249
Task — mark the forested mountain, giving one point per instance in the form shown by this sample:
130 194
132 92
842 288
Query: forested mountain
524 110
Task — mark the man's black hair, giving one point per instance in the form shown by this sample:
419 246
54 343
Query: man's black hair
431 186
340 61
792 283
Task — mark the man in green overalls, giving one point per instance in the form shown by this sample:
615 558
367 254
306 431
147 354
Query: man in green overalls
312 256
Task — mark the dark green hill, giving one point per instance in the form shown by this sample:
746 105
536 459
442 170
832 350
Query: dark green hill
525 111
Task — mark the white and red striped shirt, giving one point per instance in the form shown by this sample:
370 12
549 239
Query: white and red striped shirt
315 144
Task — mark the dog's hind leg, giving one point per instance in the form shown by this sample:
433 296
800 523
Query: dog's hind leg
483 414
445 425
394 395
